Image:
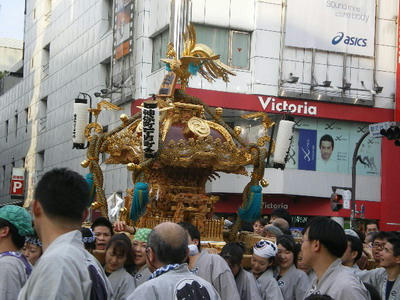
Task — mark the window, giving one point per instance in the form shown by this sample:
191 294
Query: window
105 67
45 61
16 124
26 111
160 43
40 161
6 131
233 46
42 114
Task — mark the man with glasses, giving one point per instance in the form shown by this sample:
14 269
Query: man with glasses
324 243
378 243
386 280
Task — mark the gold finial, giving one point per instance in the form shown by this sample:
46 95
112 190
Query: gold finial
264 183
130 167
85 163
237 130
124 118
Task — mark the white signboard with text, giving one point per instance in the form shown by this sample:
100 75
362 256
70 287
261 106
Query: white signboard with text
339 26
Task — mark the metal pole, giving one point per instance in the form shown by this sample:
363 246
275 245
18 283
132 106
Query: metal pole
353 179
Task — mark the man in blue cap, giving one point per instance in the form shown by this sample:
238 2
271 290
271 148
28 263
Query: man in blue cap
15 224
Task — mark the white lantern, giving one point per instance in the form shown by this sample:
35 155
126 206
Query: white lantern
80 120
283 141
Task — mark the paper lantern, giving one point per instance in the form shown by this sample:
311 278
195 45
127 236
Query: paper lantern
80 120
283 141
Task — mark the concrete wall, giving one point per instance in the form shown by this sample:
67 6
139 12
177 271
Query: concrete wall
10 53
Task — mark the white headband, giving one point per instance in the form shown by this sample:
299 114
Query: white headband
265 249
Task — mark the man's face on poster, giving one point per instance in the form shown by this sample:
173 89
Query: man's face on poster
326 150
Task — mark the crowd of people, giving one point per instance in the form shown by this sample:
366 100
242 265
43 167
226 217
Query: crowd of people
47 254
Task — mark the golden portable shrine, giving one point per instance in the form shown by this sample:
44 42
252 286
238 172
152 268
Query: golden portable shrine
173 146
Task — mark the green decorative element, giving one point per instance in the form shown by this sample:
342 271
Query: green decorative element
140 200
19 217
142 234
252 210
90 182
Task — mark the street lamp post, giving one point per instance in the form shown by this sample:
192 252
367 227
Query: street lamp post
353 178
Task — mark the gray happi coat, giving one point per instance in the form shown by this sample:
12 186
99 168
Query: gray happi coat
340 283
123 284
12 277
62 272
268 286
141 275
247 286
174 285
216 271
294 284
378 279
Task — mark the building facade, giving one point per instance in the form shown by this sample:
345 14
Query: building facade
74 47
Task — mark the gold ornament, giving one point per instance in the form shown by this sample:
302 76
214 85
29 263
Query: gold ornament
264 183
96 205
85 163
219 111
237 130
124 118
199 127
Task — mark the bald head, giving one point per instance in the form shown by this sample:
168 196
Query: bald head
281 223
169 242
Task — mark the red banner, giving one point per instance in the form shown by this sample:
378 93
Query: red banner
297 107
397 113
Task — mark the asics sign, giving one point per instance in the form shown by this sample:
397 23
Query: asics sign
349 40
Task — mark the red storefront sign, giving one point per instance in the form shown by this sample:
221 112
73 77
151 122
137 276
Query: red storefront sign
397 113
298 205
17 182
298 107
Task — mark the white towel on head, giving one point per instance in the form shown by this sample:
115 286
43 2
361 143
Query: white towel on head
265 249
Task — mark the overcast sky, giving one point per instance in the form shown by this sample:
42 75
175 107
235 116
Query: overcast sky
12 19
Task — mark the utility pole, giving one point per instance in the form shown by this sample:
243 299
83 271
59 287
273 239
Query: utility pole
353 178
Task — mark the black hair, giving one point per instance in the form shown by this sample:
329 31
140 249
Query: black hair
327 138
372 291
355 245
282 213
121 245
262 221
396 245
17 239
165 252
233 253
63 193
192 231
329 233
102 221
319 297
87 233
383 235
360 234
289 243
371 222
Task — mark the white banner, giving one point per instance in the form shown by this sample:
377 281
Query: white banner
339 26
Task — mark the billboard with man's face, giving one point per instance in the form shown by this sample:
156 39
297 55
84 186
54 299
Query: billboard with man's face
328 146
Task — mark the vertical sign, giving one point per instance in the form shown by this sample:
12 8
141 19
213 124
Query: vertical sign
17 182
150 133
123 28
307 149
